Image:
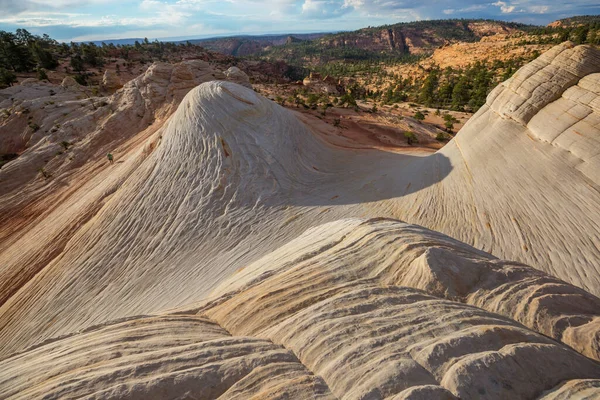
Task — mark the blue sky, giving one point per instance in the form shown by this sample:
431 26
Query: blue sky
114 19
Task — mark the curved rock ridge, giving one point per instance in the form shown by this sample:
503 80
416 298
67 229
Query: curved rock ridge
208 178
159 357
329 315
394 253
91 124
563 111
274 253
582 389
63 134
511 191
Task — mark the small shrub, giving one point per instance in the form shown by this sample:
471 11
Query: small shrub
449 122
440 137
411 138
65 144
7 78
81 79
41 74
34 127
337 122
419 116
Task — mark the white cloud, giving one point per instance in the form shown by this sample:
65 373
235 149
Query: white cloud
200 17
539 9
504 7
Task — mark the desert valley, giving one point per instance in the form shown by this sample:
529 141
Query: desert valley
408 211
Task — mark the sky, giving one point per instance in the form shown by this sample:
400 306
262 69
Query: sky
80 20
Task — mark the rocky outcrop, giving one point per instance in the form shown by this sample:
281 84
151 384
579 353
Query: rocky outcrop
234 253
325 85
65 131
178 356
69 83
234 74
391 40
312 320
420 37
563 112
293 39
488 28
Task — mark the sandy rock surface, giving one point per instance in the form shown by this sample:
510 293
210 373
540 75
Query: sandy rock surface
111 82
232 252
234 74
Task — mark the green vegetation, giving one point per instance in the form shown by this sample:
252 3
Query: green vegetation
580 30
7 78
41 74
334 47
448 29
411 138
23 52
347 56
458 89
449 121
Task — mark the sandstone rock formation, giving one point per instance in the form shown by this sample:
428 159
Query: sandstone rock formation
63 133
320 84
111 81
236 254
234 74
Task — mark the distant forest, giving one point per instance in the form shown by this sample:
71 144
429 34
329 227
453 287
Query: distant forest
451 88
23 52
458 89
579 30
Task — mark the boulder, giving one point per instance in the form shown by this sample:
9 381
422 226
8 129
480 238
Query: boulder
234 74
111 81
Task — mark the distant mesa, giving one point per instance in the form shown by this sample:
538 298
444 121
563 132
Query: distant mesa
293 39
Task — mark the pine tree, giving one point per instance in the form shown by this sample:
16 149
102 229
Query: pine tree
7 78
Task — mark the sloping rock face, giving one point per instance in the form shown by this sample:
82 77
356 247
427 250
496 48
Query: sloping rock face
62 135
232 253
313 320
385 40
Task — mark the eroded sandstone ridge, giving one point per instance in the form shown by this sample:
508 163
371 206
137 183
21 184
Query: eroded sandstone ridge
231 252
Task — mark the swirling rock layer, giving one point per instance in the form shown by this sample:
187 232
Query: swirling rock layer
234 253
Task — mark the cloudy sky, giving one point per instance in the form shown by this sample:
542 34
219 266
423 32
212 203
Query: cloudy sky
113 19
